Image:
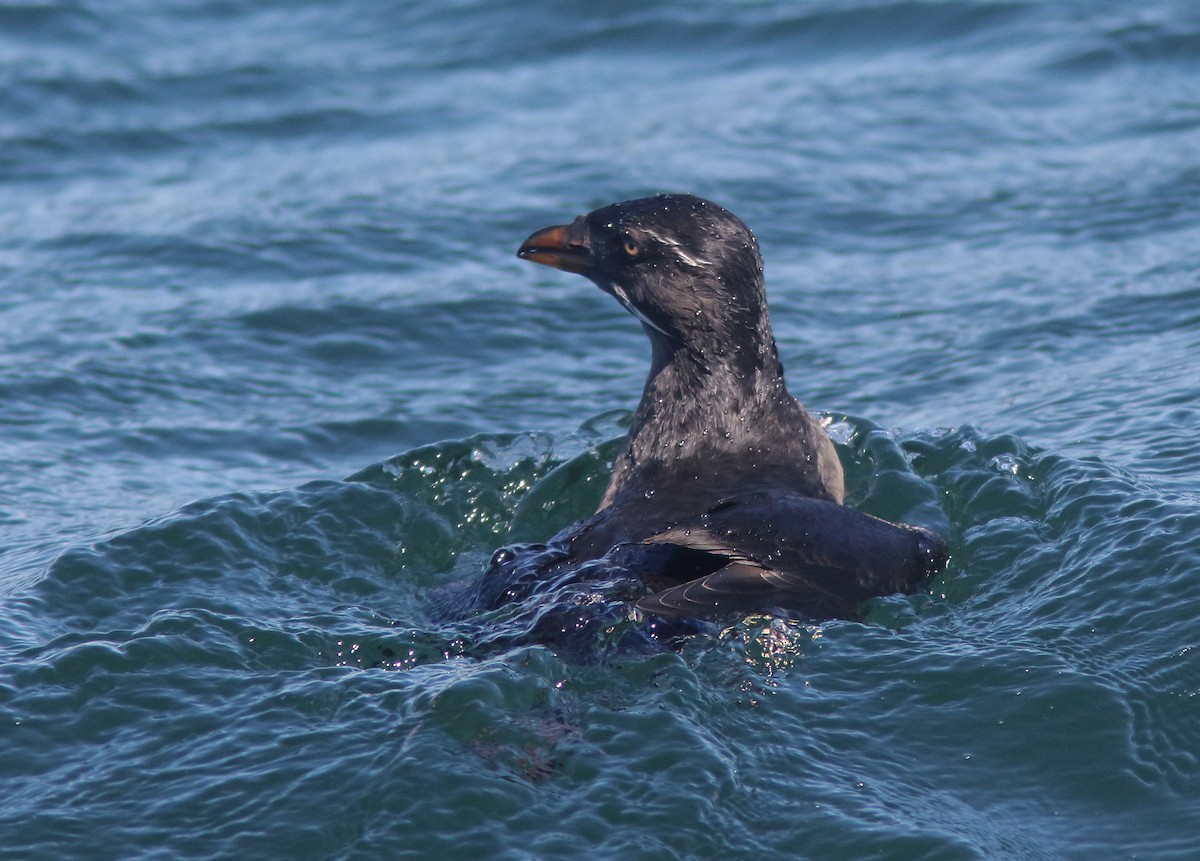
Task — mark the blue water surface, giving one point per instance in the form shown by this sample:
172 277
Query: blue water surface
272 381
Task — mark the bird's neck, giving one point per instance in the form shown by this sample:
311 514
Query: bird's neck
703 387
704 408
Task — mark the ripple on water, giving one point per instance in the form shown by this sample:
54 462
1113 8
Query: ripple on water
240 645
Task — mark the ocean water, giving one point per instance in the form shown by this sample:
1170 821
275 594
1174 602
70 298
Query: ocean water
271 380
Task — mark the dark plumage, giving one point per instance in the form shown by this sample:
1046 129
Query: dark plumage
728 497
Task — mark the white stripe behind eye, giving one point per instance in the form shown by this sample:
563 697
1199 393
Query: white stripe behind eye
677 249
689 259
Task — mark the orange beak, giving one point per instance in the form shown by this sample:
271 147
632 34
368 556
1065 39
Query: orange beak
559 247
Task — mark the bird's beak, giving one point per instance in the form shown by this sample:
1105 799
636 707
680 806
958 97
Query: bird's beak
561 246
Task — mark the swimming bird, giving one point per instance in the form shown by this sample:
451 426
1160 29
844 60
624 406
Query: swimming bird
728 497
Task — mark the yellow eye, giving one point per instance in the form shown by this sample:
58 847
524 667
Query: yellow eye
631 248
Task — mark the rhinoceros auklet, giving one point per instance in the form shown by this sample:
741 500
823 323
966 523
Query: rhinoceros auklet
728 498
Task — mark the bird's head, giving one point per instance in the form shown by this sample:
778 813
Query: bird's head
688 269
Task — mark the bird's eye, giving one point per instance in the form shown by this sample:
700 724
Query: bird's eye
631 248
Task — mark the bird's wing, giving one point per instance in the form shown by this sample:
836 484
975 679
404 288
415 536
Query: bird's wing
768 553
742 587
